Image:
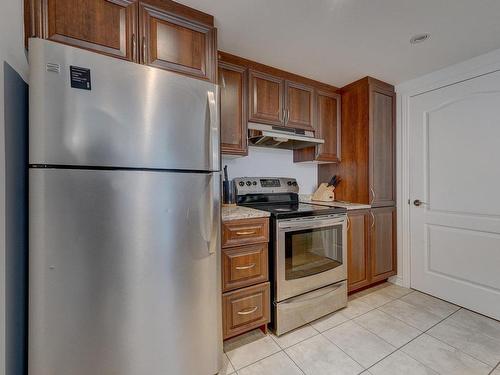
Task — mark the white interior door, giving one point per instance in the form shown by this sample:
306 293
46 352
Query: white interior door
455 172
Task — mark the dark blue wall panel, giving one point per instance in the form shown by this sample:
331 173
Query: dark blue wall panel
16 220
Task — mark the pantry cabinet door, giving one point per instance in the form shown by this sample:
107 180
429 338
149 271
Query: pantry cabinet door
382 147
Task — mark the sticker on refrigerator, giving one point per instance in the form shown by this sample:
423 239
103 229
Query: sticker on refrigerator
80 78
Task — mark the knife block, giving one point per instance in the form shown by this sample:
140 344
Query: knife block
324 193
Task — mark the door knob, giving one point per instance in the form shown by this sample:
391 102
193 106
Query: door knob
418 202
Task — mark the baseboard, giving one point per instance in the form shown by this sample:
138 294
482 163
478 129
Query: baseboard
398 280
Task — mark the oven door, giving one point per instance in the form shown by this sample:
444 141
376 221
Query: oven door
311 253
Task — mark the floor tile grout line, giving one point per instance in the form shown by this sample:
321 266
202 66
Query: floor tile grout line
422 333
298 342
343 351
460 350
352 319
320 333
296 364
459 307
229 359
253 363
444 342
494 368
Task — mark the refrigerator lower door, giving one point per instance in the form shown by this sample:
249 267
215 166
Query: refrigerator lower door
124 273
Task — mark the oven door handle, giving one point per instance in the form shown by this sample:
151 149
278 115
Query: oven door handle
310 224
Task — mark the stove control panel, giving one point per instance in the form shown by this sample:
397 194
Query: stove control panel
265 185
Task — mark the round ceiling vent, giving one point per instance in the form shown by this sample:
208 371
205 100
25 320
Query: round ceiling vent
419 38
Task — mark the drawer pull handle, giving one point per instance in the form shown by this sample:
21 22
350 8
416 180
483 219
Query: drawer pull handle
249 311
245 233
245 267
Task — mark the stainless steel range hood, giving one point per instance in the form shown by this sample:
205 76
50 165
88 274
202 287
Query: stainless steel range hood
280 137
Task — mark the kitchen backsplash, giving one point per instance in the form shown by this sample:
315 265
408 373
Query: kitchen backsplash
271 162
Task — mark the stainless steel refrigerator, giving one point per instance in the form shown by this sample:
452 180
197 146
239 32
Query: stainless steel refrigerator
124 226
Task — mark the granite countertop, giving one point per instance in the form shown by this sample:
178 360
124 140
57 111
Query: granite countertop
240 212
306 198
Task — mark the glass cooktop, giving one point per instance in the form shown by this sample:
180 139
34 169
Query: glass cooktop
293 210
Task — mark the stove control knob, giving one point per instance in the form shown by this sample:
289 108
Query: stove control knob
289 183
294 183
249 183
254 183
241 183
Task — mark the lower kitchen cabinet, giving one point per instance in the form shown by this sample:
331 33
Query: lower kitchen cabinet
245 309
246 300
371 246
358 245
383 243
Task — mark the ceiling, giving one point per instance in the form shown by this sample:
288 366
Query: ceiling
339 41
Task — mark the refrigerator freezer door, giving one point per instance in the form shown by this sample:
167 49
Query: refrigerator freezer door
124 273
132 116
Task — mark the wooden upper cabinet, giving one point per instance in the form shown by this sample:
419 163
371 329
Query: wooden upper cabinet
327 125
233 89
173 42
368 145
383 243
299 105
265 98
382 147
160 33
104 26
358 260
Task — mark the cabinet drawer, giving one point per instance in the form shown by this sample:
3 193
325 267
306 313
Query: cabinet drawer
244 266
245 309
245 232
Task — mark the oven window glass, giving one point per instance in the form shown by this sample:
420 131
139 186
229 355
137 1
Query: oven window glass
311 251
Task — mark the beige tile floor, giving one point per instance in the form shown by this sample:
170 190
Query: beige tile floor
385 330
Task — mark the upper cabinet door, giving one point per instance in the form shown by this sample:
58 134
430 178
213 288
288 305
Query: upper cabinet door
175 43
299 105
233 86
382 147
328 126
266 98
105 26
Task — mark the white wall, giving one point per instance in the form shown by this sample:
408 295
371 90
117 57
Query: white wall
273 162
11 51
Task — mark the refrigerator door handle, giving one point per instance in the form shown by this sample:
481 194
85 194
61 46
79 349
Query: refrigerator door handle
214 131
215 215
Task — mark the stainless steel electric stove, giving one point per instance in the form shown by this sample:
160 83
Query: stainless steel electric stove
307 257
